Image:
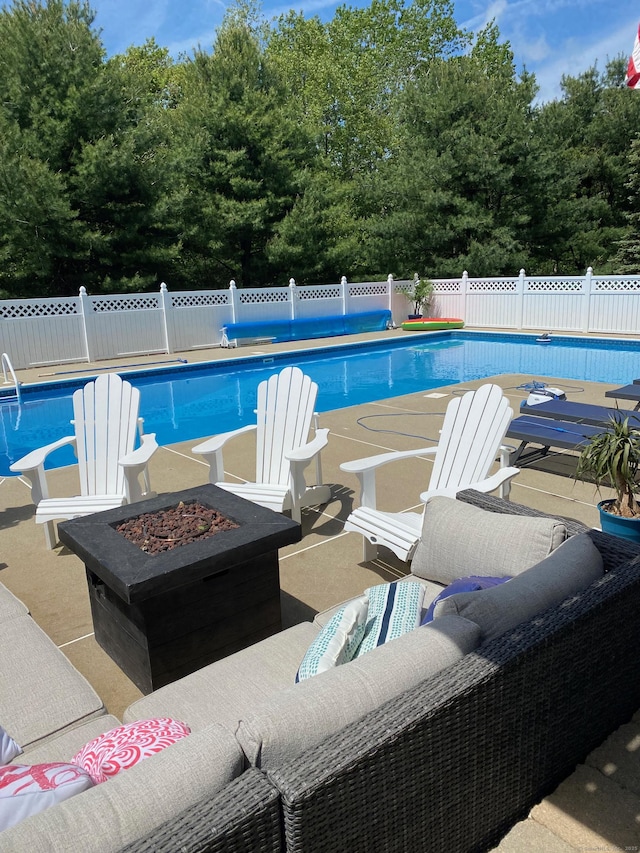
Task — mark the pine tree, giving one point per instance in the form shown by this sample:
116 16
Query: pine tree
627 258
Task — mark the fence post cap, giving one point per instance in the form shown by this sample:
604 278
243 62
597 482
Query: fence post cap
232 283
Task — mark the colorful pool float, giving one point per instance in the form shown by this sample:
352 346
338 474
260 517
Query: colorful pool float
432 324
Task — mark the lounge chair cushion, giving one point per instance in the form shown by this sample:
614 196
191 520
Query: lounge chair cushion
338 640
65 745
572 567
70 699
459 539
10 606
231 687
302 716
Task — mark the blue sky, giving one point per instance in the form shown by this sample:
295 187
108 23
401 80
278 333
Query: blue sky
549 37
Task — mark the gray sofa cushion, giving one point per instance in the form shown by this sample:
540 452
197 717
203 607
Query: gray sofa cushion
228 688
131 804
42 693
569 569
459 540
280 729
10 606
64 746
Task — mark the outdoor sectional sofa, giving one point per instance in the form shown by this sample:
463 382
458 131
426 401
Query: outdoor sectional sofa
451 763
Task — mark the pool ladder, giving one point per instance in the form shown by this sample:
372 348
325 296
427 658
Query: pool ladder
7 370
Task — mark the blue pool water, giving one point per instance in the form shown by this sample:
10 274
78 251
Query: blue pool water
188 402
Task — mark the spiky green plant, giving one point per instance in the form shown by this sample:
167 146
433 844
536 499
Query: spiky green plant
419 294
613 458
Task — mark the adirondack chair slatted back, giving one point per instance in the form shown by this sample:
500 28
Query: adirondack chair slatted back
284 411
105 420
474 427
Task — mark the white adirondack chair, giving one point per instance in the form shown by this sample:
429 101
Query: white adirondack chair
285 415
470 440
105 420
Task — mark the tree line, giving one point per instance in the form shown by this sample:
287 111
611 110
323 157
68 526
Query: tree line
386 140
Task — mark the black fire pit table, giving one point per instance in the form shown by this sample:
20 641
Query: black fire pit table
161 616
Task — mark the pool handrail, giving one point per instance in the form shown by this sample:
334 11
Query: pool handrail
7 366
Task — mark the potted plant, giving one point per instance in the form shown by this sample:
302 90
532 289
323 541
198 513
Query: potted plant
419 294
612 458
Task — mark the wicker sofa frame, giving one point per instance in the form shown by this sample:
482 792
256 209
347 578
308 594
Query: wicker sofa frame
454 763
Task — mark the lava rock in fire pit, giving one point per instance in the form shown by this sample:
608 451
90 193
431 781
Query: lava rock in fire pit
155 532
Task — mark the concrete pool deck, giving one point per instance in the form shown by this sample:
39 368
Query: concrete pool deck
597 807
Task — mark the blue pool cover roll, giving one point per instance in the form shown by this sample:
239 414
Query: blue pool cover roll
311 327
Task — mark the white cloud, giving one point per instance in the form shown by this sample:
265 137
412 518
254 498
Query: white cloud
129 22
535 51
576 56
186 46
552 38
306 7
496 10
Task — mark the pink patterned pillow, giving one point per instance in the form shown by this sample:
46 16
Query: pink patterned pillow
123 747
25 791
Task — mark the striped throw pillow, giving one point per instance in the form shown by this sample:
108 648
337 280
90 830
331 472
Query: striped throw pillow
394 609
338 641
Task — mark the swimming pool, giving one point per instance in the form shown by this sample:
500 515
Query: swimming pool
194 401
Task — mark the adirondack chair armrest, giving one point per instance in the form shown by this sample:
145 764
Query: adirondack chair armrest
139 457
217 442
505 451
365 470
356 466
308 451
444 492
32 467
135 464
37 457
500 480
211 449
299 459
490 484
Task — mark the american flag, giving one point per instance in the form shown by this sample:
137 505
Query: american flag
633 69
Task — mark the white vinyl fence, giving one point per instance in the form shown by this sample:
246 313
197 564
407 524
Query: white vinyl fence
85 328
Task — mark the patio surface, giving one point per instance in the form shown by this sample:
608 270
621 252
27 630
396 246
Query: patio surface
597 808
